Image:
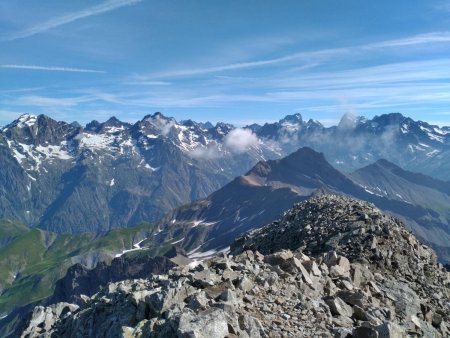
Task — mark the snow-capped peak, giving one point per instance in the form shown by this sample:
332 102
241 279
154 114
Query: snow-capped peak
25 120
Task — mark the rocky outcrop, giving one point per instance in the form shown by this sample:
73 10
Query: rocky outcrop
82 281
330 267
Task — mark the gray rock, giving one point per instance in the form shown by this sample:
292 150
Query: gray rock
364 332
206 324
338 307
251 326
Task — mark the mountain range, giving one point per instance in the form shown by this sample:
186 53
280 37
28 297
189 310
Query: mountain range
271 187
66 178
67 190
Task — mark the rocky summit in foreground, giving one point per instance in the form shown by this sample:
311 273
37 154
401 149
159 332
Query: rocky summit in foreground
330 267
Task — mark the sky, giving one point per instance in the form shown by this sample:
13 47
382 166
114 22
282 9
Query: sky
238 61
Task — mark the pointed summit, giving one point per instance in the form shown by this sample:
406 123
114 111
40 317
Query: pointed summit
295 118
113 121
158 116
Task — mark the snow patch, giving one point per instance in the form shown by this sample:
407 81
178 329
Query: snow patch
96 141
148 166
433 153
207 254
136 246
26 120
180 240
202 222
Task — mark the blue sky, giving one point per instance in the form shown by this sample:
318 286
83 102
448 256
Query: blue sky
239 61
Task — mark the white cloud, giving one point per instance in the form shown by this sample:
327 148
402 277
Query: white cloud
52 69
104 7
239 140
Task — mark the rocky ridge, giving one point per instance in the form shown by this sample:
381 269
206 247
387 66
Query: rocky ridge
330 267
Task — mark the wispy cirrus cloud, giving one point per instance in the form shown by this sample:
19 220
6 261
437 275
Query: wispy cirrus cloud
433 37
52 68
311 58
104 7
44 101
244 65
147 83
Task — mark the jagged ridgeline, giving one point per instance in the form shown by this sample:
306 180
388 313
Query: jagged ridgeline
69 179
330 267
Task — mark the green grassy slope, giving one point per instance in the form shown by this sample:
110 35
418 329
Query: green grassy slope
32 260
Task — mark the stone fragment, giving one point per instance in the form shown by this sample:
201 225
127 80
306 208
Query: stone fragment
245 284
338 307
209 323
364 332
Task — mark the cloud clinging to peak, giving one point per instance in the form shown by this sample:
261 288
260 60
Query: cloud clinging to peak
239 140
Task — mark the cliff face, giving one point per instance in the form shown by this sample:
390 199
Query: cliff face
331 266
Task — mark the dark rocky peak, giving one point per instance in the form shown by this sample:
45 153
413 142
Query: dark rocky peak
294 119
193 128
314 124
254 127
224 126
305 169
220 130
39 130
305 154
75 124
94 125
306 161
308 168
385 164
284 128
391 119
303 161
190 123
382 166
113 124
157 117
155 125
206 125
